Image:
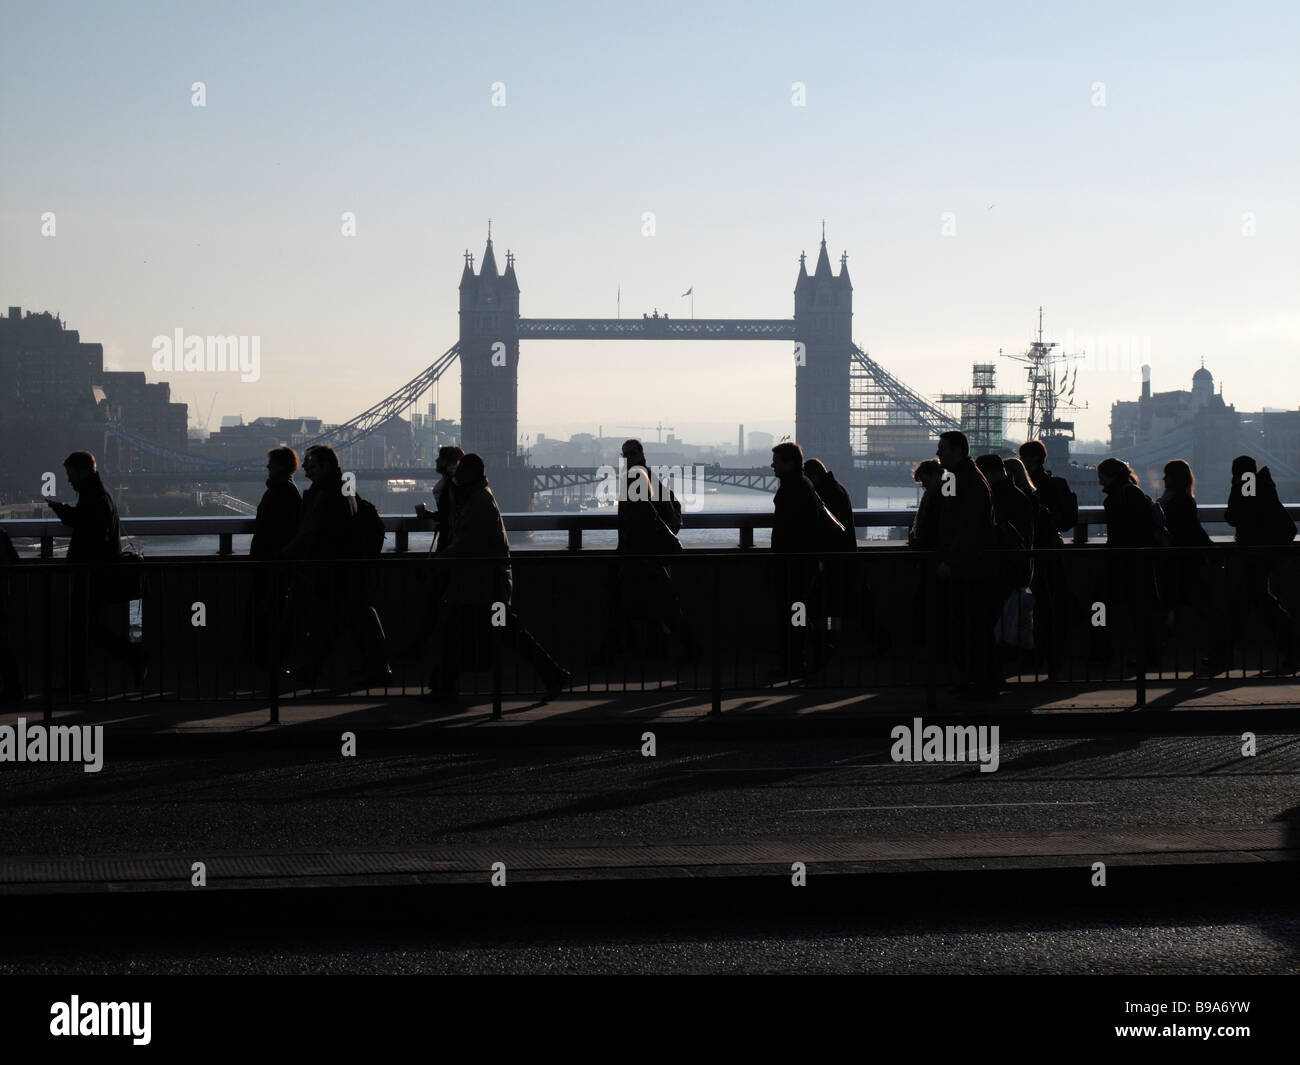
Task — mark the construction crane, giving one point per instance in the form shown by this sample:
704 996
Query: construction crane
646 428
203 422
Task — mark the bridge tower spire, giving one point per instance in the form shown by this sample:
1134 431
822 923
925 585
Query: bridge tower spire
823 317
489 376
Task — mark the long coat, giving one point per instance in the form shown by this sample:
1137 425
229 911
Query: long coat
794 521
966 520
836 498
96 531
325 525
278 515
1129 518
478 531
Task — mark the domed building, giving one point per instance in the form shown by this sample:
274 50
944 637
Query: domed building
1202 387
1195 425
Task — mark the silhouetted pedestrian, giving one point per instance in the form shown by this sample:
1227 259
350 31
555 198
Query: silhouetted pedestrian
97 587
836 498
276 524
796 526
280 508
1051 491
924 532
1012 568
839 576
1010 505
449 456
478 599
1185 579
664 501
799 528
1049 584
11 687
426 620
649 517
1132 518
969 590
333 599
1134 525
1045 533
1261 522
922 535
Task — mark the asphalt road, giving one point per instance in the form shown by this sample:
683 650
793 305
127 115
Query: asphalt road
1164 938
284 801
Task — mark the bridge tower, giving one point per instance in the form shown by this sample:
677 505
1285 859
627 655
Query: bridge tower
489 374
823 316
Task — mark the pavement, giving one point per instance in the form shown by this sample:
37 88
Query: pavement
139 723
1272 851
431 804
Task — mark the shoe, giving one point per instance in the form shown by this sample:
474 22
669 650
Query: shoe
557 682
139 666
442 690
1208 667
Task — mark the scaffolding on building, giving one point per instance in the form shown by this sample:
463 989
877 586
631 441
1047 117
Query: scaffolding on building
889 422
984 414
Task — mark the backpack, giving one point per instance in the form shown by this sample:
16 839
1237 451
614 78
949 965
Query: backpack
367 529
670 512
666 542
1278 526
830 532
1062 502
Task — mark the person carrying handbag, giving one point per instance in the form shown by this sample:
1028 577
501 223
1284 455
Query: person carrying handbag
641 588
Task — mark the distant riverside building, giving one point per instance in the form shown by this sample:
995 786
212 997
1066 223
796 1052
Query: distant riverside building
1280 431
146 408
760 445
56 397
234 441
391 444
900 439
46 372
432 432
1199 426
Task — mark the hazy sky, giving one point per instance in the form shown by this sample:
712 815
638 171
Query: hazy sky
1127 220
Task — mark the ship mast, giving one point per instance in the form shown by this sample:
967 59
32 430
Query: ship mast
1050 387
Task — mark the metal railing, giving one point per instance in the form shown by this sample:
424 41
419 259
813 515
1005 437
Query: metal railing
48 530
702 621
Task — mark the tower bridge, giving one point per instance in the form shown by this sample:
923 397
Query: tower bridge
841 393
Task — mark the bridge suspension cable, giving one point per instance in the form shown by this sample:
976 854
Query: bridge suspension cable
905 399
148 446
365 423
350 432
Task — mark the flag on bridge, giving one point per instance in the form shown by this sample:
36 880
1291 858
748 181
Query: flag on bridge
688 292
